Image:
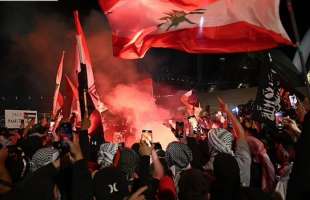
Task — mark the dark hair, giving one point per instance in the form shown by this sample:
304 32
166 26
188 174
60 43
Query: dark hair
157 146
193 185
4 131
299 95
227 183
16 163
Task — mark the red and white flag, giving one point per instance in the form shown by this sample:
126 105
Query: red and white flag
83 60
75 105
58 100
194 26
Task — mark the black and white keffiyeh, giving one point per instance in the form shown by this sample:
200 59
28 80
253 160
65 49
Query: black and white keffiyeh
43 157
220 140
106 154
179 155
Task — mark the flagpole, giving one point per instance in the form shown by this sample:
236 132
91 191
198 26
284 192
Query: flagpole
85 103
297 38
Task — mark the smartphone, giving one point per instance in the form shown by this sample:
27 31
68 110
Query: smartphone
235 111
66 130
293 101
52 126
147 136
279 119
194 123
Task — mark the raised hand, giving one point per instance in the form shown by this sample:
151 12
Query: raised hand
75 149
222 105
145 149
138 195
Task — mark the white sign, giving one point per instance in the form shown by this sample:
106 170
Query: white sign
15 118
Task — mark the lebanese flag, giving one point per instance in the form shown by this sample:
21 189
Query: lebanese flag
194 26
84 68
58 100
75 104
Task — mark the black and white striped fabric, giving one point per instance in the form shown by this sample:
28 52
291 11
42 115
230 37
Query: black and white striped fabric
220 141
43 157
179 155
106 154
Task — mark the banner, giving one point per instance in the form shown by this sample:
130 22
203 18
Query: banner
15 118
268 93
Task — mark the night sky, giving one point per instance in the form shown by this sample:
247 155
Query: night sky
26 71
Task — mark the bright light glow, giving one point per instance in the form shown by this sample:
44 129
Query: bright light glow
235 110
201 21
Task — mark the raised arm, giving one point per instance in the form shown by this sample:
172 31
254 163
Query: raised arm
81 177
184 100
28 127
158 168
238 129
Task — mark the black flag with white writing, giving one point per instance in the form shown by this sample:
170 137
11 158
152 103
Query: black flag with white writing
268 92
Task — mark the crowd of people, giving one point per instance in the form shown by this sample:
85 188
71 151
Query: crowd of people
218 157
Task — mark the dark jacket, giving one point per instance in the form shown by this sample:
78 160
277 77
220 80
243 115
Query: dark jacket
40 184
299 183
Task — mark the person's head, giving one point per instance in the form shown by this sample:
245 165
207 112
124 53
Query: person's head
106 154
4 132
127 161
193 185
39 129
65 129
178 155
16 163
110 184
220 141
31 145
136 147
44 122
227 178
42 157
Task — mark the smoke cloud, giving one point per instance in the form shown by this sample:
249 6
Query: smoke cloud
126 90
118 81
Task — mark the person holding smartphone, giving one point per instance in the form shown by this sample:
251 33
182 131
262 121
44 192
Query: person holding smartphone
191 102
147 137
193 109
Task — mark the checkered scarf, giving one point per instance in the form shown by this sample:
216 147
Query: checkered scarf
106 154
220 141
43 157
178 155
